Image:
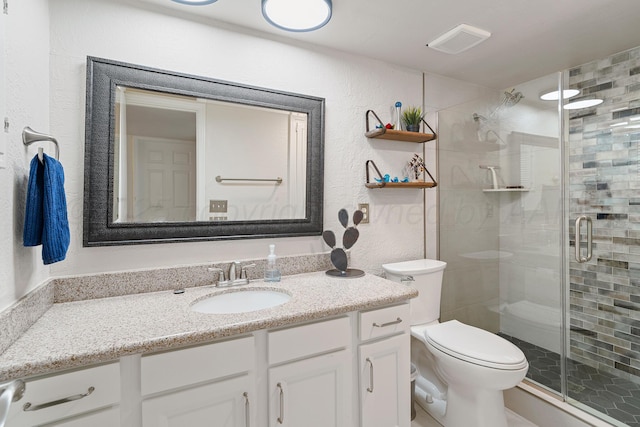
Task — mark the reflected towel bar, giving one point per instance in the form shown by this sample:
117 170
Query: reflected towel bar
277 180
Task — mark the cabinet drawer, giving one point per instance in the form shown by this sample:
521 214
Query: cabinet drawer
303 341
384 321
99 387
178 368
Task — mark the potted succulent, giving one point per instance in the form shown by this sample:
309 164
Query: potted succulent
412 117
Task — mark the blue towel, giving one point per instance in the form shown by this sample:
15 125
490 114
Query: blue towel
45 220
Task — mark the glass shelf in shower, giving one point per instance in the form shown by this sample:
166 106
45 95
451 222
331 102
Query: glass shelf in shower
505 190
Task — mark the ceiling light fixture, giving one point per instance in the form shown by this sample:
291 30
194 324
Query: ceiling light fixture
583 103
195 2
297 15
459 39
554 95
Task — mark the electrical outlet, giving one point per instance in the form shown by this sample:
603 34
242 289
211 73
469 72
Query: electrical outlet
217 206
364 207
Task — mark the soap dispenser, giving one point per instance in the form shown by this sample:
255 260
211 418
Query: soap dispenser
271 272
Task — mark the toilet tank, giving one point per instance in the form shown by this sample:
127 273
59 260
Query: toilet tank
427 280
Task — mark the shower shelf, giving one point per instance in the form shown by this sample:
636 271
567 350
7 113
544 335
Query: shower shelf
505 190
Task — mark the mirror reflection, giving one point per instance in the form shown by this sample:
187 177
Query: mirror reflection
181 159
173 157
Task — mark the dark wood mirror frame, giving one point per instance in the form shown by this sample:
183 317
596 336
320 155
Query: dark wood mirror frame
99 230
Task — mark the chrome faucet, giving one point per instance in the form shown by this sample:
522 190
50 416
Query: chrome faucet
237 274
234 270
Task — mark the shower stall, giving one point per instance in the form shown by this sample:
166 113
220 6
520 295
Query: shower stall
539 223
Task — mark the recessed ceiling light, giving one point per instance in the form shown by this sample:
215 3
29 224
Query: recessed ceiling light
195 2
459 39
583 103
554 95
297 15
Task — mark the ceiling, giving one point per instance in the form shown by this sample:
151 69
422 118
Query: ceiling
530 38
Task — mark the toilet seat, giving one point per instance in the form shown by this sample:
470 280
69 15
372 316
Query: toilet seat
475 345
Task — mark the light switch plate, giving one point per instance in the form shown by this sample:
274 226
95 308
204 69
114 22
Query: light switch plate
217 206
364 207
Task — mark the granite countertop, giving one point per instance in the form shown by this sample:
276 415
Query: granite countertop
79 333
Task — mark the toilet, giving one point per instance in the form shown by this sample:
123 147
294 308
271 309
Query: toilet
462 370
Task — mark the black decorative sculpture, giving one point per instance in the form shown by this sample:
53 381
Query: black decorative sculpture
349 238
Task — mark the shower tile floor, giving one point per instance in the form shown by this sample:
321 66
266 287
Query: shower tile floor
619 398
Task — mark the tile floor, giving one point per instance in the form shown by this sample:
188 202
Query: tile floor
617 397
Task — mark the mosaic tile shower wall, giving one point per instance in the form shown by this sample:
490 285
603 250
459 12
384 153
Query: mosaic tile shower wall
604 180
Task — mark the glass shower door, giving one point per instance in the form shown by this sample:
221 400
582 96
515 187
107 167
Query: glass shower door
603 219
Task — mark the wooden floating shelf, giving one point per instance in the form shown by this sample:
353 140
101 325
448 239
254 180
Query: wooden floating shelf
400 135
400 184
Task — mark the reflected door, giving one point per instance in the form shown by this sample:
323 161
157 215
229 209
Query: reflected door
164 180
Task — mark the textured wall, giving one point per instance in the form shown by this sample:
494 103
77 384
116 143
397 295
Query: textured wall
26 84
350 84
49 60
604 184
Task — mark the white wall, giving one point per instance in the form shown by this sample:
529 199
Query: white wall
349 84
48 62
26 85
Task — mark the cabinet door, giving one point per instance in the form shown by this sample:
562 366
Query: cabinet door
221 404
314 392
106 418
385 395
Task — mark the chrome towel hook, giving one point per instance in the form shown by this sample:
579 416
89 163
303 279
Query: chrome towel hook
29 136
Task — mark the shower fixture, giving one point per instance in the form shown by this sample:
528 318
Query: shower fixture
478 118
511 98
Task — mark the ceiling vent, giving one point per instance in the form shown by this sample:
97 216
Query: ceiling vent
459 39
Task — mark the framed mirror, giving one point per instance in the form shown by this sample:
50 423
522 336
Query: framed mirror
172 157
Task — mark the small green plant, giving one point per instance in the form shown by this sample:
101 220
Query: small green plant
412 116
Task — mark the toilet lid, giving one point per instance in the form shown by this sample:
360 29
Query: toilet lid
475 345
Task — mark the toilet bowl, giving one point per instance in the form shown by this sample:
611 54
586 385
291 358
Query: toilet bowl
463 370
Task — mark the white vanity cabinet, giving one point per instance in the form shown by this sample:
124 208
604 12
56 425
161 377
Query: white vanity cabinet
342 371
384 367
310 375
200 386
85 397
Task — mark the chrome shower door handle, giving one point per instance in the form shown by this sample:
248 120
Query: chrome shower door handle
578 255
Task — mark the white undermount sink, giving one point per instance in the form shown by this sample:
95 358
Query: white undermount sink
241 301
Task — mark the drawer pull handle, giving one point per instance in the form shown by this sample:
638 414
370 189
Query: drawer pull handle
247 412
395 322
370 388
281 417
30 407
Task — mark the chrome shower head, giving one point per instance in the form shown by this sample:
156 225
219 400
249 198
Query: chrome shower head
511 98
